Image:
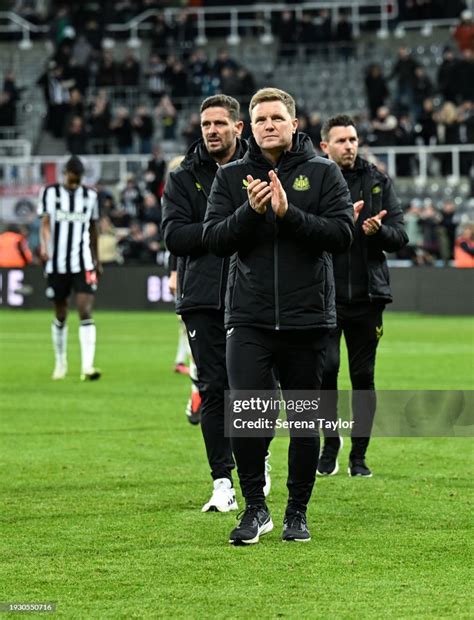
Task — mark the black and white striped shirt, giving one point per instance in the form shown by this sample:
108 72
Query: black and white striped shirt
70 216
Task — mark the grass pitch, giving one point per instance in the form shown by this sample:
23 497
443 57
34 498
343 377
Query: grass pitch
102 485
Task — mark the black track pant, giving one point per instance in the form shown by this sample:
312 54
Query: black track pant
206 336
362 327
252 356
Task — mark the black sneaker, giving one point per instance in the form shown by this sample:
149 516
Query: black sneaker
254 522
295 527
357 467
327 464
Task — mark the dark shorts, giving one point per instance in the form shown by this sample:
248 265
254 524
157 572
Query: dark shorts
60 285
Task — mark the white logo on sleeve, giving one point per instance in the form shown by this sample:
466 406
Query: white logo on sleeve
192 334
230 332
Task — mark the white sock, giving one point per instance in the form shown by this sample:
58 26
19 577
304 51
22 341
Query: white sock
59 337
87 334
183 345
193 373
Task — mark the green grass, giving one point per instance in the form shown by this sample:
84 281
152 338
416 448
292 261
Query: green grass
102 484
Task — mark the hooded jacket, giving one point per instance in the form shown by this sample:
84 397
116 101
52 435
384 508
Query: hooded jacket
201 277
281 276
361 273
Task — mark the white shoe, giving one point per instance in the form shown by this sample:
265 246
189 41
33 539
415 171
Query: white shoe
268 480
223 497
60 372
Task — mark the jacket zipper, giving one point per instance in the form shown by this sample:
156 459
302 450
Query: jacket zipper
275 274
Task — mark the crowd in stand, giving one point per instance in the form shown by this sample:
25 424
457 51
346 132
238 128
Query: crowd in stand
88 89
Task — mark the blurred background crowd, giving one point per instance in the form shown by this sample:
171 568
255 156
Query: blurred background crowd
102 96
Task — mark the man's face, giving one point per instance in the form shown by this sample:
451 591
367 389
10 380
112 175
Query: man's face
72 181
272 126
342 146
219 132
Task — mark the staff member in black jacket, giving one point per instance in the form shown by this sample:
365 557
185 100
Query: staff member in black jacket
281 209
362 288
202 278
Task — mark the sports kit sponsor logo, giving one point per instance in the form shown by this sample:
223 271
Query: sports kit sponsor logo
376 189
301 183
63 216
230 332
379 332
245 184
192 334
198 186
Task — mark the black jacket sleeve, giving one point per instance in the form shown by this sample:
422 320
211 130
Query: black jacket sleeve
332 230
392 235
227 229
182 234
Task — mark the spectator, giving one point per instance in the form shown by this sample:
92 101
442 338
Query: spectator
464 33
446 79
151 243
308 34
109 251
131 201
426 127
122 128
422 89
166 113
155 173
247 86
464 250
404 71
129 71
376 88
447 230
98 121
429 222
76 136
178 82
198 67
132 246
447 132
464 73
414 249
56 94
144 127
151 210
155 77
108 71
14 250
192 130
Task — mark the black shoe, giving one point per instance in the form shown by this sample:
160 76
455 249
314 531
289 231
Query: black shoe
327 464
294 526
255 521
357 467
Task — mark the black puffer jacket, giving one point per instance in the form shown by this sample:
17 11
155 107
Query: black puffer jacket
202 277
361 273
281 277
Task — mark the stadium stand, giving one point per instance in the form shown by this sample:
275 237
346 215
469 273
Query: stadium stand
109 81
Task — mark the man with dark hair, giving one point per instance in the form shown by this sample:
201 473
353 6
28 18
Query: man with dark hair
202 277
68 247
362 288
280 210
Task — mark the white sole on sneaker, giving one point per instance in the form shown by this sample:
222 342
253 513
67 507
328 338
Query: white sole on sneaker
358 475
264 529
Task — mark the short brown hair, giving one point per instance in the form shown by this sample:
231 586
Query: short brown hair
340 120
273 94
223 101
